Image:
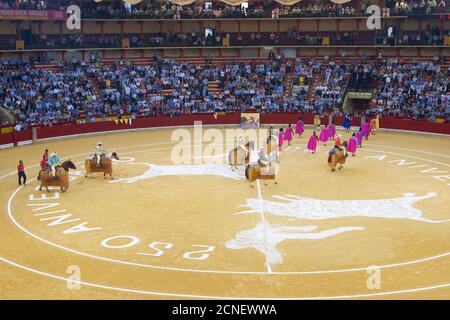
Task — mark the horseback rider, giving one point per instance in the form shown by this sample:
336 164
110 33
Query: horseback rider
337 146
99 152
53 162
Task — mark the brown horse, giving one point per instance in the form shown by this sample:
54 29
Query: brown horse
338 158
256 171
90 165
60 180
240 156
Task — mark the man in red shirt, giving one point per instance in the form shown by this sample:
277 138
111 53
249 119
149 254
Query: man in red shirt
43 163
21 173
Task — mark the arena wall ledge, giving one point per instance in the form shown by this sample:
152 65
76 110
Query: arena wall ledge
70 129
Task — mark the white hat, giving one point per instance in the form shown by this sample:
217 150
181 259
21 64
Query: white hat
53 154
99 143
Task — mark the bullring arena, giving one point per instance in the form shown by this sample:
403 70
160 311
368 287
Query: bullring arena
191 233
224 150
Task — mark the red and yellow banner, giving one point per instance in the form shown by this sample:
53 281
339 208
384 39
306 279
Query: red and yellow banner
8 14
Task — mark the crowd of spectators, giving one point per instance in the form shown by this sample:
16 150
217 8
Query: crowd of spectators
291 37
329 92
24 4
429 36
405 7
37 96
165 9
417 90
433 35
169 87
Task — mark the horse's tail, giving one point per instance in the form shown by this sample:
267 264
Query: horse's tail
247 173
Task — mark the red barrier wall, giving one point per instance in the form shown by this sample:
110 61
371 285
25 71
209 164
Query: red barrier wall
415 125
208 119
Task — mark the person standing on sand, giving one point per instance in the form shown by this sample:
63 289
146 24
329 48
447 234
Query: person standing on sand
312 143
288 134
21 173
300 127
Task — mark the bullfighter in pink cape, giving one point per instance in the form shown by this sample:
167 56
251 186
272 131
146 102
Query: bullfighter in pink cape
299 127
312 143
280 138
324 135
365 130
288 134
331 131
352 144
359 136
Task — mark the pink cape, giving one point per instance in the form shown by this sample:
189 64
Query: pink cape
288 134
332 131
280 139
324 134
365 130
312 143
351 145
299 128
359 138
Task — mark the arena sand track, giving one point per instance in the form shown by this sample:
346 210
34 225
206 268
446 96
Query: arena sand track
180 235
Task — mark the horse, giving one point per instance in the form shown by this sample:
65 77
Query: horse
60 180
90 164
269 172
338 158
240 156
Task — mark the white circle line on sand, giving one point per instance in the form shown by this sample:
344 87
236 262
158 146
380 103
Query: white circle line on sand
179 295
408 149
217 297
404 155
11 216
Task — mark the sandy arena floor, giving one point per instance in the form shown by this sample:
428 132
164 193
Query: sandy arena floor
151 234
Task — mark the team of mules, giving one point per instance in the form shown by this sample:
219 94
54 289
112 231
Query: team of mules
105 165
338 158
61 179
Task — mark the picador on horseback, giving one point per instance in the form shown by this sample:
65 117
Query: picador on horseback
53 162
100 161
337 147
99 153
